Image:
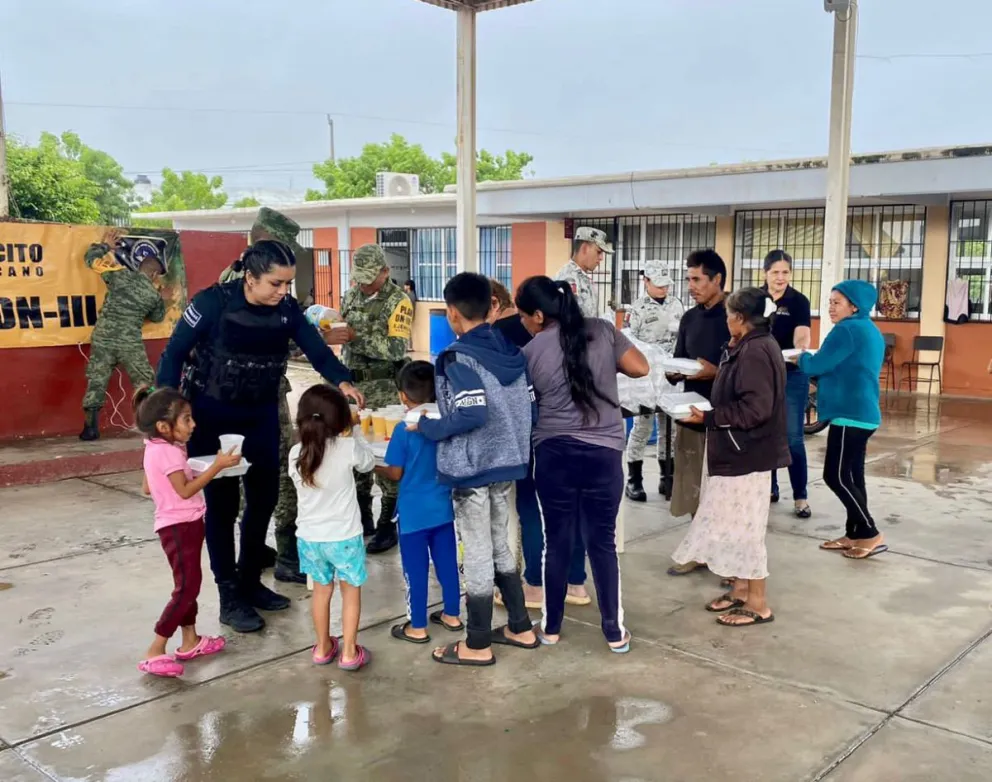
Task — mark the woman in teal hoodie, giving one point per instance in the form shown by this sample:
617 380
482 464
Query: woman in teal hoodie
847 366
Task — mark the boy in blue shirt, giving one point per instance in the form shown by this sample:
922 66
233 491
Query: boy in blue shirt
427 518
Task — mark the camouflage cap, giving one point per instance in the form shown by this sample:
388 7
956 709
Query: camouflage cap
277 226
594 235
369 260
658 274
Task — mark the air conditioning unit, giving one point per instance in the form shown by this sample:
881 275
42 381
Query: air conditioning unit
837 6
391 185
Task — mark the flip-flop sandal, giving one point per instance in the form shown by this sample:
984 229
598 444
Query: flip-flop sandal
399 633
436 619
543 639
804 512
325 660
498 636
867 552
732 603
207 645
163 665
684 570
833 545
363 659
533 604
576 600
623 649
756 618
726 583
449 656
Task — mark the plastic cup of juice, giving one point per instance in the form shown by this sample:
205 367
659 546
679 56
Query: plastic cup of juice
229 441
378 423
365 419
355 415
393 419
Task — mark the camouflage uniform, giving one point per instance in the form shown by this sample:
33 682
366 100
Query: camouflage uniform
274 225
657 323
131 299
382 324
580 280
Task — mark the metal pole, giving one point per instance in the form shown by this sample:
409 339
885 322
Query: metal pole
839 159
468 259
4 181
330 126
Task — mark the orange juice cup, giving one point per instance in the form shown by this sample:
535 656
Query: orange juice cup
378 424
355 415
392 421
365 418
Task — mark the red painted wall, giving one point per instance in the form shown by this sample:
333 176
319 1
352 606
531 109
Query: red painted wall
967 351
44 386
530 246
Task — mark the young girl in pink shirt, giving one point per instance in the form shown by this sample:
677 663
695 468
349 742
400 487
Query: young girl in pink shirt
164 417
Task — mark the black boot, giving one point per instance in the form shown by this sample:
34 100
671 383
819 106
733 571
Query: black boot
667 474
269 557
365 508
91 428
235 612
264 599
385 532
635 483
289 575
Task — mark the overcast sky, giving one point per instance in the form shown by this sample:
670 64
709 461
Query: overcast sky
586 86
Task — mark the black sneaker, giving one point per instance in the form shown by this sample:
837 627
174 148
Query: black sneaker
264 599
237 614
385 538
289 576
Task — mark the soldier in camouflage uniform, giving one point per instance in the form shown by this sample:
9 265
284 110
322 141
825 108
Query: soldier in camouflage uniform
131 299
653 318
381 316
588 249
271 224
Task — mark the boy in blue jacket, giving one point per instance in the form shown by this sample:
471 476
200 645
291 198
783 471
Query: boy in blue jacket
487 409
846 367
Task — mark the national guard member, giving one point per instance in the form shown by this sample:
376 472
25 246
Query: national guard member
652 318
381 316
131 299
588 249
230 349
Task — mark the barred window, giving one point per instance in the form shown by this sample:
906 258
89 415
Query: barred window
639 239
496 253
884 246
970 257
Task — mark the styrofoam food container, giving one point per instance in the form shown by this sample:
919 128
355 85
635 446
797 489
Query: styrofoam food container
678 405
200 464
229 441
682 366
414 415
793 352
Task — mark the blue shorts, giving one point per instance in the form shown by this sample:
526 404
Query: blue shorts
342 560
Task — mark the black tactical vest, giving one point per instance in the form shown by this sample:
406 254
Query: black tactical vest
244 357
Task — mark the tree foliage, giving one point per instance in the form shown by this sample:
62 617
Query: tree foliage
47 184
115 195
186 190
354 177
247 202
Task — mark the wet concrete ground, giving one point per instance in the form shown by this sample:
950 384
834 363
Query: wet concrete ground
873 671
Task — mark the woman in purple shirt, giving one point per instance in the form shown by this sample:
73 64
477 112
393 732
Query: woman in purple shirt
578 444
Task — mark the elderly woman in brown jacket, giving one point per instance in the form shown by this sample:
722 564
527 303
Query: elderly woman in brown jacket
746 438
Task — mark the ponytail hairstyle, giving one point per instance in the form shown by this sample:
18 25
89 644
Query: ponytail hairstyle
262 256
755 306
557 302
154 406
323 414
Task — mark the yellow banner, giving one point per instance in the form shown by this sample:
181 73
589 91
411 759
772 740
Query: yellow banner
48 295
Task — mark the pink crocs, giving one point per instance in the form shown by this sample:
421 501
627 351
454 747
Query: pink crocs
163 665
330 658
208 645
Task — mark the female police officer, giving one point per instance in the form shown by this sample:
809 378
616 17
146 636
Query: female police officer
230 350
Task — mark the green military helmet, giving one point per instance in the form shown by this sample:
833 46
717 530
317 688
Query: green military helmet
368 263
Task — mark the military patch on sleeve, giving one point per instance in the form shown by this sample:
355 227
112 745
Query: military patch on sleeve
192 315
401 321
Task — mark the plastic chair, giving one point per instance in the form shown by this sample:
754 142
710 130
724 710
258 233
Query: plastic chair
889 364
923 345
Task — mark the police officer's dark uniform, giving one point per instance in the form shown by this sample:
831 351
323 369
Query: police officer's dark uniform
230 356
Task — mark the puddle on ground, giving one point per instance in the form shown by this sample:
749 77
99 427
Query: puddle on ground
595 739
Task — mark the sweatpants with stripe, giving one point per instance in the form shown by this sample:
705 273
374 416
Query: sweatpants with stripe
482 515
579 487
417 549
844 473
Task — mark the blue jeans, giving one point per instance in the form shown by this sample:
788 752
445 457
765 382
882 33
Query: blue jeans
796 397
532 538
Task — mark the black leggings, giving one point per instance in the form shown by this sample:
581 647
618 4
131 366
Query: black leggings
260 427
844 473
